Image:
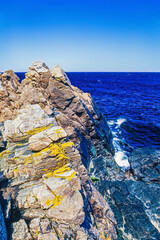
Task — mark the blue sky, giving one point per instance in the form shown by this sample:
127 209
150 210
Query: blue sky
81 35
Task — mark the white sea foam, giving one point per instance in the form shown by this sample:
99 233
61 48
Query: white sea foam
120 155
121 159
111 122
120 121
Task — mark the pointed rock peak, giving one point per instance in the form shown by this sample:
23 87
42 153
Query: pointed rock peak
58 72
39 67
10 80
10 74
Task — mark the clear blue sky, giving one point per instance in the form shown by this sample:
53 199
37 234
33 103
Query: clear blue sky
81 35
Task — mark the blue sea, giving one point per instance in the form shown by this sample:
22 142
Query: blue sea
131 104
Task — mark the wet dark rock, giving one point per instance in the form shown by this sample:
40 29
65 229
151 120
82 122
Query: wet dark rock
145 165
135 199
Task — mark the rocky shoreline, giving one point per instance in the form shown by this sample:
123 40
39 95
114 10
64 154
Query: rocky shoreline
59 179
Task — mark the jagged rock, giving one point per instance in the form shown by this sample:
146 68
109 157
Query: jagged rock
59 73
39 67
20 231
9 85
145 165
43 139
10 82
46 183
47 236
29 120
134 198
56 139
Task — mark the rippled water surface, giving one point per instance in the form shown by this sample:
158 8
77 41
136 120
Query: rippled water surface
131 104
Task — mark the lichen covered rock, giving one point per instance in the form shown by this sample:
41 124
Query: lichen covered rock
45 183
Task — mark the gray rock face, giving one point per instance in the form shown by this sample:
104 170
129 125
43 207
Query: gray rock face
145 165
135 199
29 120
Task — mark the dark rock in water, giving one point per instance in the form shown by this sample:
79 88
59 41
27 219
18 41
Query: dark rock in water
145 165
136 208
135 200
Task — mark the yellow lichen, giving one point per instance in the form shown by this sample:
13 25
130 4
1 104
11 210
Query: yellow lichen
50 174
105 238
56 150
62 170
55 202
5 152
19 144
67 144
59 173
38 130
48 202
28 160
16 169
58 131
71 176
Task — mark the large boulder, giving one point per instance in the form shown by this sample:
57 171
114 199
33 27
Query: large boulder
29 120
43 139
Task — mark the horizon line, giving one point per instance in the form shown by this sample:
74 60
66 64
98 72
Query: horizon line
91 71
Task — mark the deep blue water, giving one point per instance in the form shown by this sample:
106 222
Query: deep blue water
131 104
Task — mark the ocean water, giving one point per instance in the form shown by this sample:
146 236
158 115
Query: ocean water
131 104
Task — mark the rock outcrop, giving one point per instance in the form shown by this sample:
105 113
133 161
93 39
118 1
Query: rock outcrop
135 199
59 179
53 133
9 83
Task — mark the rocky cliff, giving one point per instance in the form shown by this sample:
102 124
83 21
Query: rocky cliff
59 179
50 134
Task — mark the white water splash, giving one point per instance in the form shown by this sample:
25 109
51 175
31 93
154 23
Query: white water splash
120 155
120 121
